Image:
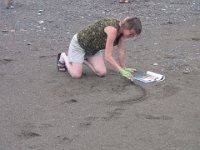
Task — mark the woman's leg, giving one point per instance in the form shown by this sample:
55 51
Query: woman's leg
74 60
96 63
74 69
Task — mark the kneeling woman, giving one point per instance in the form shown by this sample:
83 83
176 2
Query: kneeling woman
87 45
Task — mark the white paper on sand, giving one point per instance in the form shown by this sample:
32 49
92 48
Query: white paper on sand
148 77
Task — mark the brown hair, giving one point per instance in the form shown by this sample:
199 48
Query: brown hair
132 23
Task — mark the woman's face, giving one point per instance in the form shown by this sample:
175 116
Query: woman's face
127 33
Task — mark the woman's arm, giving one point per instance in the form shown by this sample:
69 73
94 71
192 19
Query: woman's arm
121 53
111 36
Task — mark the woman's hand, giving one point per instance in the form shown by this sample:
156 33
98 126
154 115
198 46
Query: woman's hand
126 73
132 70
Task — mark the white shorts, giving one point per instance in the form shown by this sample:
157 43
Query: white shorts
76 53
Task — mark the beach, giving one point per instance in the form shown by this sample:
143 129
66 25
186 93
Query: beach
43 109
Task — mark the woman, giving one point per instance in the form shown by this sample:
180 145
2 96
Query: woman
86 46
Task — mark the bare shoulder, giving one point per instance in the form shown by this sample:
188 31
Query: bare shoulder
111 32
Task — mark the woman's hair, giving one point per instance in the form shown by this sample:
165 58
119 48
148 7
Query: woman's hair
132 23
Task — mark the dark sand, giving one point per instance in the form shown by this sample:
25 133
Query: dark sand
42 109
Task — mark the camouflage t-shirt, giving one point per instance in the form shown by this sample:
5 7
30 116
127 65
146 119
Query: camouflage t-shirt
93 38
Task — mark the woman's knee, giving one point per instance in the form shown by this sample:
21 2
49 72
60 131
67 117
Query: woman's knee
76 71
76 74
101 73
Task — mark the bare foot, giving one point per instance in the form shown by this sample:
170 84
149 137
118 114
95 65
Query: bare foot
8 3
123 1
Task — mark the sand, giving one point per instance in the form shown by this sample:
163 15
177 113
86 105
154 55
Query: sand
43 109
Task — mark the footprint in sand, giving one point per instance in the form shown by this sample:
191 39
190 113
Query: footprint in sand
26 134
70 101
47 56
110 115
154 117
87 121
64 139
5 61
85 124
114 114
30 126
196 39
27 130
